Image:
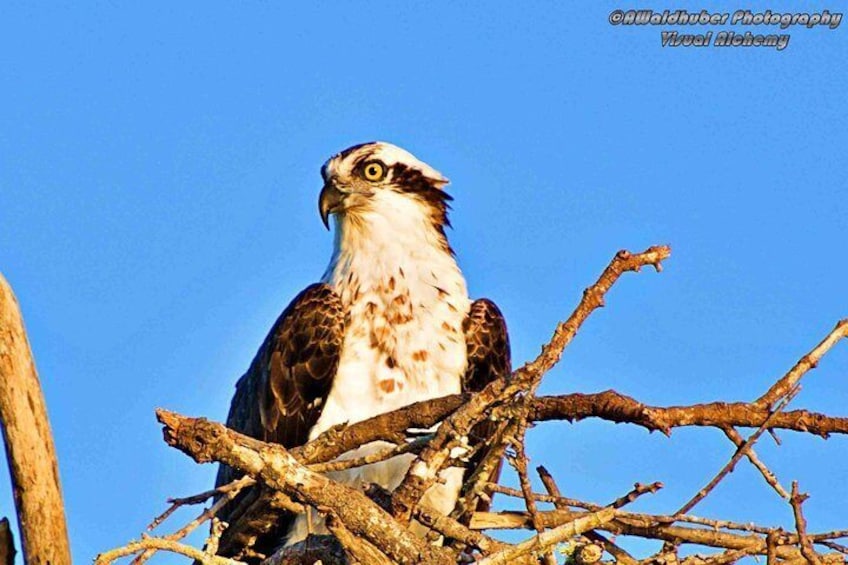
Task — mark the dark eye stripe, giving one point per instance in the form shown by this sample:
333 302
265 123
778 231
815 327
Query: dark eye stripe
412 181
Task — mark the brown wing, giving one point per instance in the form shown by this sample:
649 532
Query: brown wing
488 359
488 345
281 395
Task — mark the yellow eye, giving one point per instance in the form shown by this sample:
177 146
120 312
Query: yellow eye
374 171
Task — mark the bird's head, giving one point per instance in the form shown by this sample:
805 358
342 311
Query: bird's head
380 180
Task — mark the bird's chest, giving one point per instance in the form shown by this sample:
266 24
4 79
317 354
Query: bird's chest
403 343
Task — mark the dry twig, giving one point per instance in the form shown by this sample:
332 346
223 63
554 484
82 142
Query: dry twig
620 555
519 462
809 361
540 542
227 492
638 490
238 485
161 544
740 452
796 500
767 473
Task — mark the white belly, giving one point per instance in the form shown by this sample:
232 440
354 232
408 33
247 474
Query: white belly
416 364
404 343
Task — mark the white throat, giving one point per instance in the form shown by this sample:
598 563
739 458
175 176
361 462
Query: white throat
394 233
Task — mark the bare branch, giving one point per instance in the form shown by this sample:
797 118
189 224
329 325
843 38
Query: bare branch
341 464
620 555
385 427
740 452
357 549
162 544
216 528
364 532
809 361
796 500
176 503
206 441
519 462
621 409
228 492
451 528
772 540
424 470
723 558
593 298
538 543
638 490
636 525
767 474
835 546
473 491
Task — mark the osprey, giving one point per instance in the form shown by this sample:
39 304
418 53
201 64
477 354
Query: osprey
389 324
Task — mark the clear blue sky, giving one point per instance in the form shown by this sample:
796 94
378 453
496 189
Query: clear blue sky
158 208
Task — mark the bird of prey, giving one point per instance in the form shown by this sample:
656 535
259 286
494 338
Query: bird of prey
389 324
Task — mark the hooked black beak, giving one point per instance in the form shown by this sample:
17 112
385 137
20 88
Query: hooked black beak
330 201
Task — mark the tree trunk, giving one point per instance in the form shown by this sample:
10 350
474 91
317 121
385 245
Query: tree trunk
29 443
